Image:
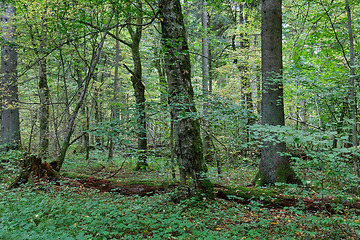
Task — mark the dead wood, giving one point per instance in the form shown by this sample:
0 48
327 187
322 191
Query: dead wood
34 168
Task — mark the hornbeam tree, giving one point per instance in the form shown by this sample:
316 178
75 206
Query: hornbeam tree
188 143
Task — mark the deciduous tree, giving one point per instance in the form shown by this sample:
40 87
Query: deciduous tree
188 142
10 124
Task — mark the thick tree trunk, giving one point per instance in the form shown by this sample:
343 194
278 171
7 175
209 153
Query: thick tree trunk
10 124
188 142
273 166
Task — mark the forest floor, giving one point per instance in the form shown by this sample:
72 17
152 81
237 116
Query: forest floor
108 200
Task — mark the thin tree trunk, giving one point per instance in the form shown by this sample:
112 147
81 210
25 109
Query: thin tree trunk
172 150
87 136
205 83
161 74
33 123
70 128
210 79
44 95
114 108
97 109
352 88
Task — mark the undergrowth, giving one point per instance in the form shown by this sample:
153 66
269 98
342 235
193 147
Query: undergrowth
57 211
52 213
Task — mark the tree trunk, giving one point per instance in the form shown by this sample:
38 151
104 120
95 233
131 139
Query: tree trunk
115 115
44 109
139 89
161 74
97 109
33 169
352 88
10 124
86 128
188 142
70 127
273 166
205 84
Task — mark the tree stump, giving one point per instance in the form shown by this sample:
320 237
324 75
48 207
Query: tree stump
33 168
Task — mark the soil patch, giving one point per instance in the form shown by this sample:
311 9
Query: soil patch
104 185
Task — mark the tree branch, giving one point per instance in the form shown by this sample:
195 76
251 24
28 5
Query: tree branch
305 123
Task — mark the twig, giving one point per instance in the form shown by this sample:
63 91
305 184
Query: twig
77 138
305 123
116 172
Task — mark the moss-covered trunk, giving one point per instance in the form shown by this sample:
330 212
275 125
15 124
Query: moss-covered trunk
188 143
44 96
139 88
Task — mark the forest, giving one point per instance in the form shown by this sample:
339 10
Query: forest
179 119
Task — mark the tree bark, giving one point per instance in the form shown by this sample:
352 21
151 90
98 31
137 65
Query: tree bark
115 115
352 89
44 95
188 142
139 89
205 83
274 167
97 109
158 63
10 123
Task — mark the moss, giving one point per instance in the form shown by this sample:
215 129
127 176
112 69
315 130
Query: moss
282 174
207 189
259 179
74 175
250 193
141 165
285 174
142 182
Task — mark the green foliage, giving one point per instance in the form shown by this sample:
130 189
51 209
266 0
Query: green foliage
314 156
34 214
10 162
